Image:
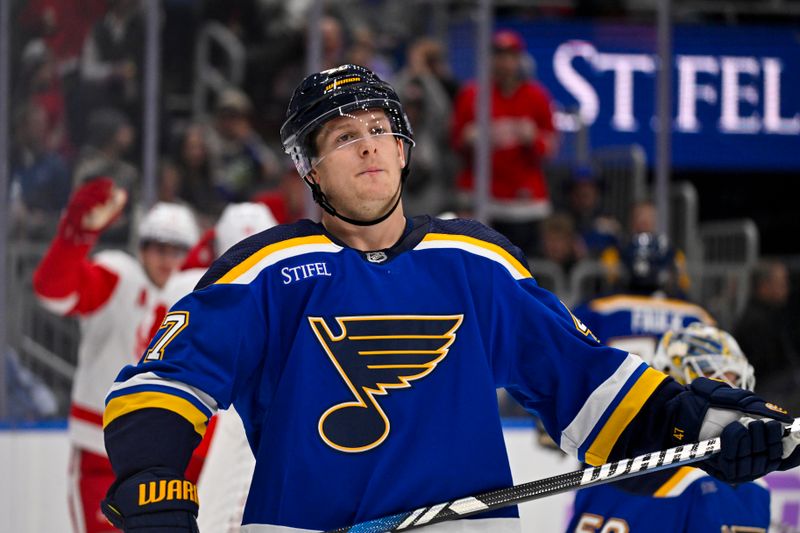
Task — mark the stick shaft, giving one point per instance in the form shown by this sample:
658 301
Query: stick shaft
496 499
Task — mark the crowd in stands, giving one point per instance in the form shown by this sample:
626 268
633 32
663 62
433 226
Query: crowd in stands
77 108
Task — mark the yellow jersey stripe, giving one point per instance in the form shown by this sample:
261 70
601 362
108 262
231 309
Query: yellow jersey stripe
122 405
264 252
499 250
627 409
664 489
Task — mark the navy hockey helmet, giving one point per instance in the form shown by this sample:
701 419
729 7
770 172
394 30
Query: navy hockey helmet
650 261
333 93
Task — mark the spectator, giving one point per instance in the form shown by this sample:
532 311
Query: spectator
522 136
644 218
64 25
584 198
29 397
169 182
111 63
646 302
197 180
241 162
39 82
429 110
40 176
362 51
643 223
765 332
559 241
111 137
427 55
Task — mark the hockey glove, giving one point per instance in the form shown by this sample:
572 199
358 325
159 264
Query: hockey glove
91 209
750 429
155 500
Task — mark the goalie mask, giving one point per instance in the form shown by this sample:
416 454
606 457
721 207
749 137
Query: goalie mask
340 92
703 351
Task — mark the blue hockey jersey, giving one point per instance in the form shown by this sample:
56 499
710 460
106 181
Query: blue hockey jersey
635 323
683 500
367 381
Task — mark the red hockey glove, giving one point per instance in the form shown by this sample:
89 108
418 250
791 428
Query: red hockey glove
91 209
152 501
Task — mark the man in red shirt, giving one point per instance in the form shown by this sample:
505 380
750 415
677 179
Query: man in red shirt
522 136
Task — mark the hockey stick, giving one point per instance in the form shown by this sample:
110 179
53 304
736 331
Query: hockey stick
495 499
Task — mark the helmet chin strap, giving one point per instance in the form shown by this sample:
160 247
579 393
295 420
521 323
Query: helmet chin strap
325 204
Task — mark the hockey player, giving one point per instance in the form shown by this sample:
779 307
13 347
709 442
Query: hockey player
236 222
635 318
120 301
685 499
363 354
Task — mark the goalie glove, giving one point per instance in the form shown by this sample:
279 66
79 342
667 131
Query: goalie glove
750 430
91 209
155 500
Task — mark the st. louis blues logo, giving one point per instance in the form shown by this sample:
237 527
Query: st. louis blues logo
374 354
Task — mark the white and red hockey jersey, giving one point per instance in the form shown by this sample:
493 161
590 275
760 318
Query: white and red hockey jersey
119 310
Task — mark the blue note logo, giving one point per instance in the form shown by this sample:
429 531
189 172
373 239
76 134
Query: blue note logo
374 355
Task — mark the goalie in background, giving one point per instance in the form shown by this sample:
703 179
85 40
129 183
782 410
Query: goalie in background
683 499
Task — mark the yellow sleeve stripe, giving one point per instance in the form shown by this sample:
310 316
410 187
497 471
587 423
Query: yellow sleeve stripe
664 489
122 405
627 409
278 251
485 249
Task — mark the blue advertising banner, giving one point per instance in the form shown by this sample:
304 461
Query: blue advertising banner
736 90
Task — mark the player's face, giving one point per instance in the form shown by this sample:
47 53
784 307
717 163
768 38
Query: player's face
160 261
359 163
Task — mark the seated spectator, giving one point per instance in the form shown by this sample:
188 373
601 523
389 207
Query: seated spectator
241 162
559 242
29 398
765 332
63 25
584 199
112 58
40 83
428 188
39 175
197 186
363 51
643 226
643 218
111 137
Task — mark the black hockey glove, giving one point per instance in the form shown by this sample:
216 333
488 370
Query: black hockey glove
155 500
750 429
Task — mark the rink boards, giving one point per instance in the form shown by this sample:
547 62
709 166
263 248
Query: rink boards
33 486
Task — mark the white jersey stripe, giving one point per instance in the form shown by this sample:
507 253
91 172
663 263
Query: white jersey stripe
474 249
151 378
584 422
